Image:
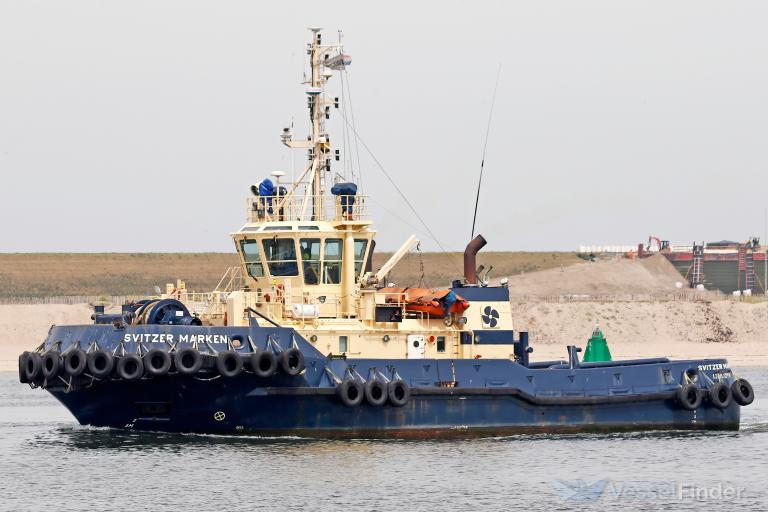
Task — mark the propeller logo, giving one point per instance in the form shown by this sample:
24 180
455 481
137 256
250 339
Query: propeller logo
490 316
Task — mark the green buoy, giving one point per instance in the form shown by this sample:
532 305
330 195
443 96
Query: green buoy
597 348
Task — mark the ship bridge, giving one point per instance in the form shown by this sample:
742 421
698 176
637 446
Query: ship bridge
311 251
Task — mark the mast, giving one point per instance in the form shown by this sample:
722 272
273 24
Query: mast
323 59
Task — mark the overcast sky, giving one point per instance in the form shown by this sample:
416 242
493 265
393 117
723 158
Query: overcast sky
139 126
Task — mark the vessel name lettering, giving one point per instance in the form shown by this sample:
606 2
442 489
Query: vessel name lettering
710 367
170 338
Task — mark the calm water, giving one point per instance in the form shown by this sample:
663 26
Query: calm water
48 462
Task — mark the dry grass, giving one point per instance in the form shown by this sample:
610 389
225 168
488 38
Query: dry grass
440 268
48 274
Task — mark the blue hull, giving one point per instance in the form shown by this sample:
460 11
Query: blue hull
191 406
484 397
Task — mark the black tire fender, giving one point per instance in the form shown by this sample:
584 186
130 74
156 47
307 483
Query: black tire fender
376 393
22 367
350 392
130 367
292 361
720 395
263 363
52 364
75 362
157 362
187 361
33 366
742 392
688 397
100 363
399 392
229 363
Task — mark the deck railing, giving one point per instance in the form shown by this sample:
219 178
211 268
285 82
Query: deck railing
306 208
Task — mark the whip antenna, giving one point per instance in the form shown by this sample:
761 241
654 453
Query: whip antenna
485 146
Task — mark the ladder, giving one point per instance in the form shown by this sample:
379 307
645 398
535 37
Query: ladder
697 268
749 276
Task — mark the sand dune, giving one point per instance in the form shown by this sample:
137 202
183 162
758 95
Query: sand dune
618 276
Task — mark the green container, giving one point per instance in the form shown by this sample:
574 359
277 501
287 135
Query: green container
597 348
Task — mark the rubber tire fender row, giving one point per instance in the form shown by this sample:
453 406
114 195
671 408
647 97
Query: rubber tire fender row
376 393
75 362
187 361
350 392
33 367
52 364
688 397
157 362
229 363
742 392
720 395
292 361
399 392
100 363
263 363
130 367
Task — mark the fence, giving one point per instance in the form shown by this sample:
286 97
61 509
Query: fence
632 297
72 299
685 296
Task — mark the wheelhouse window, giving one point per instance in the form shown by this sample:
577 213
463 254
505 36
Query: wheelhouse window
310 259
280 254
360 245
332 261
250 251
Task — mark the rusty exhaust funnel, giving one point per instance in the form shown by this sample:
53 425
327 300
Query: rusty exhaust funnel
470 260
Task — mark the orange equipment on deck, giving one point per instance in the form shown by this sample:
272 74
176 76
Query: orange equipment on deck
426 300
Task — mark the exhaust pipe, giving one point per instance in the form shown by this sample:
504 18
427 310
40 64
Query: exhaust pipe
470 260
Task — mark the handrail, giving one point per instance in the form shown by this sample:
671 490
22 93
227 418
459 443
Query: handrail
293 208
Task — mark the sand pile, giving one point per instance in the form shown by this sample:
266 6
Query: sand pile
681 329
620 276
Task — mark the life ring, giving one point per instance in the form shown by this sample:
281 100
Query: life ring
100 363
130 367
375 393
157 362
689 397
187 361
75 362
399 392
742 392
229 363
33 366
263 363
292 361
51 364
350 392
720 395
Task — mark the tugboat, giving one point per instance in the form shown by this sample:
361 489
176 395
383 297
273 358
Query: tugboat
305 338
